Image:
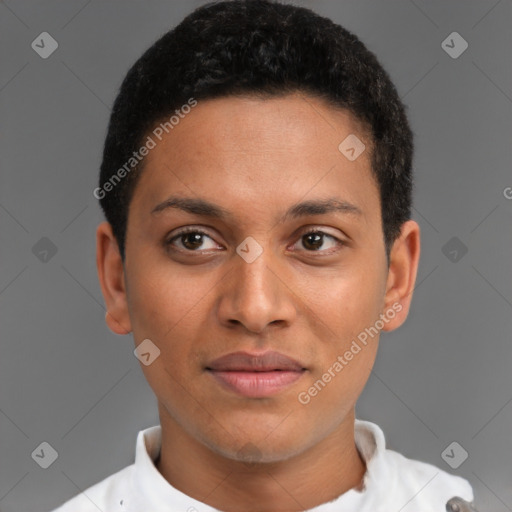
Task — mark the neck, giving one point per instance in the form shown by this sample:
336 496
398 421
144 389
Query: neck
315 476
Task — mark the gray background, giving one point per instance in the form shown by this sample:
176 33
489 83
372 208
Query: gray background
65 379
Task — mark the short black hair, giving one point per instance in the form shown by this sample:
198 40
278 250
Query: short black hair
267 49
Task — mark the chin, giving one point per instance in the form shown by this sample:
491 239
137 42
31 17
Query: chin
257 446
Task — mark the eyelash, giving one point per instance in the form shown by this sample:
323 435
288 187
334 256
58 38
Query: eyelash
187 230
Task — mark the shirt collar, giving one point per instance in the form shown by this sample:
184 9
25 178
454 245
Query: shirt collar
151 490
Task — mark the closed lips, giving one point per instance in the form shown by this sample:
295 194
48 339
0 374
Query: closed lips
247 362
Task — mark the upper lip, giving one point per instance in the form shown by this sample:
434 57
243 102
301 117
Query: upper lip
247 362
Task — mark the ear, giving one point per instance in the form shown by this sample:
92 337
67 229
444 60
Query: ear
403 266
112 281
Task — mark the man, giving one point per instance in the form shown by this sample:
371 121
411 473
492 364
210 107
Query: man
256 181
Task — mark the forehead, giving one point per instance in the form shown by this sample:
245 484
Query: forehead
247 151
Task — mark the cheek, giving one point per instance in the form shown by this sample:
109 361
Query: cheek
173 311
346 357
160 299
349 305
166 309
351 301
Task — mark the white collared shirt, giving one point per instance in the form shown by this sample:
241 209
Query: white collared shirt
392 483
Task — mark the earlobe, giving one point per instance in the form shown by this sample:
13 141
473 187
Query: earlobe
112 280
115 325
403 267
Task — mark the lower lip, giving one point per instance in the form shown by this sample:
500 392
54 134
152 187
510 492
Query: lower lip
257 384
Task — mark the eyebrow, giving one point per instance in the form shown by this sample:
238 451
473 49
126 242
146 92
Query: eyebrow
198 206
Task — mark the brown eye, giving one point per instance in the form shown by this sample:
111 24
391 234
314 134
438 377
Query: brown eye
190 239
314 240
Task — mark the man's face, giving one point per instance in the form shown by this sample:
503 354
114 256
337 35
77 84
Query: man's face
305 296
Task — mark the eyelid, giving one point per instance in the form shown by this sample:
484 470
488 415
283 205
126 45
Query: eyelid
315 229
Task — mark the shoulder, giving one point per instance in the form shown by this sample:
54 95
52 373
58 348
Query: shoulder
105 495
424 487
405 484
111 493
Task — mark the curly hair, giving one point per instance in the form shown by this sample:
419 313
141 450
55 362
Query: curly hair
267 49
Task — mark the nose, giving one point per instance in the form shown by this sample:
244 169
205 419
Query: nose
256 295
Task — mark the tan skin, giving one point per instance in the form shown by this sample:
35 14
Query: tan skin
199 300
